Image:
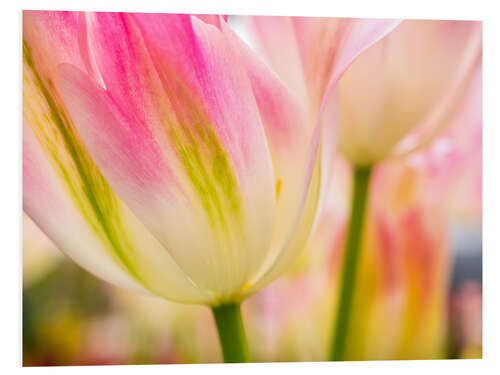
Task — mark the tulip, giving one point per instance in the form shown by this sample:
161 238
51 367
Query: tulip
409 225
399 309
407 240
310 55
404 91
400 303
163 156
395 98
306 52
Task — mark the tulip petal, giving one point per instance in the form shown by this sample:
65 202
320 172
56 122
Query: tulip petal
329 45
275 38
402 90
118 250
312 53
52 38
66 195
287 129
177 133
461 66
303 224
213 19
43 196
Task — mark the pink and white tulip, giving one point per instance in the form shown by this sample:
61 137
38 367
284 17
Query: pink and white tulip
162 155
401 297
397 95
405 90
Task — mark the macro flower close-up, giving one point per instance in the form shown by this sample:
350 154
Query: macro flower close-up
299 178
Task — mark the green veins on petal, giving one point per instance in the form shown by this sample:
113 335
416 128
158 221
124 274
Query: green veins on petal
88 188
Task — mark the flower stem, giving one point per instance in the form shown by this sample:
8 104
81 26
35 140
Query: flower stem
350 261
231 332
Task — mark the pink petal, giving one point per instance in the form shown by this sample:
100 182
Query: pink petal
51 38
276 40
65 193
329 45
47 202
186 106
400 93
287 128
458 64
310 54
122 251
213 19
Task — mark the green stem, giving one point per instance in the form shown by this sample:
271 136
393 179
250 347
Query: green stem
350 261
231 332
